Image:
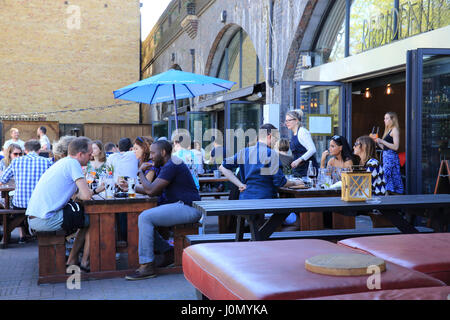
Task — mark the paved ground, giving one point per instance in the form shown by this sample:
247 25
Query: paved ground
19 274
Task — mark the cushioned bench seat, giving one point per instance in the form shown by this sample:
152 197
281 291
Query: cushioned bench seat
276 270
431 293
428 253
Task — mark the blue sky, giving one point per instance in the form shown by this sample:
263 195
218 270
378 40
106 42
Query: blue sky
151 10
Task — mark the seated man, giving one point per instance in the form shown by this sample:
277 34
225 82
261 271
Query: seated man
26 171
260 168
174 182
54 190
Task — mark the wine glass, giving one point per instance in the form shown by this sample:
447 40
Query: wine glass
312 173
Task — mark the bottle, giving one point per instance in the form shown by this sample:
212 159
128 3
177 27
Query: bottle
311 172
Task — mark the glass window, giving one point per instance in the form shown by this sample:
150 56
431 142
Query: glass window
247 117
230 67
159 129
374 23
204 120
435 118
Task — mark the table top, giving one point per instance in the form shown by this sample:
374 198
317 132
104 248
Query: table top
310 191
211 179
10 186
100 199
287 205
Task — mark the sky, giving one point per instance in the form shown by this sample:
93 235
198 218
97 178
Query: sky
151 10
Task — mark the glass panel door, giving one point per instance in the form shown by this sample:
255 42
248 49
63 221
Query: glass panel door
197 124
323 106
242 117
159 129
428 107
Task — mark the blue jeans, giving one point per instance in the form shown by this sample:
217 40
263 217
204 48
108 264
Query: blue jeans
165 216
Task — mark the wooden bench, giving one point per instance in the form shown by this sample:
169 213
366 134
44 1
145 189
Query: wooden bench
328 234
180 231
52 254
11 219
216 195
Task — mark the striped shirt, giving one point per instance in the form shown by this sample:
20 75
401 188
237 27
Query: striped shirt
26 170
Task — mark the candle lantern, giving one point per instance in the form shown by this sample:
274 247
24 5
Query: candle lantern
356 186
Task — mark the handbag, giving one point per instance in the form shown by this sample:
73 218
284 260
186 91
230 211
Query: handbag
73 217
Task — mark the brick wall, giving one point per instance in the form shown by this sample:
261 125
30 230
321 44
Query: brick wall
59 55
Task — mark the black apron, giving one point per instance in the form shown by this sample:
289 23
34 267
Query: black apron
299 150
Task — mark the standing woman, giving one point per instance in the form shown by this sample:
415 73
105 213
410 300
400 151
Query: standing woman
301 144
390 144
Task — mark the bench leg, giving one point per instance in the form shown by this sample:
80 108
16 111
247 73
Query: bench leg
200 296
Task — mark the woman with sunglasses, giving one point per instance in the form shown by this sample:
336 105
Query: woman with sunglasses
12 151
340 152
365 149
301 144
141 148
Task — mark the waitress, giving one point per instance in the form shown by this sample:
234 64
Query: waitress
301 144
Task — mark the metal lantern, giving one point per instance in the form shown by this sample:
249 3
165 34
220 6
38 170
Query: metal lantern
356 186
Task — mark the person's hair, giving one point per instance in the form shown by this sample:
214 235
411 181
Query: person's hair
144 143
268 127
32 145
283 145
9 150
346 151
13 129
102 156
79 144
164 145
395 124
109 146
43 129
125 144
296 114
60 148
369 147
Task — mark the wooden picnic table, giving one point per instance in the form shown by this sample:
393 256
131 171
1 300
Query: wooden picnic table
102 232
11 219
204 180
391 207
315 220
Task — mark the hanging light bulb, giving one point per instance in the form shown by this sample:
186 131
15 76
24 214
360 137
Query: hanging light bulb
367 94
389 89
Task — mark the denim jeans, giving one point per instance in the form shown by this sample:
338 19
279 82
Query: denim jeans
164 216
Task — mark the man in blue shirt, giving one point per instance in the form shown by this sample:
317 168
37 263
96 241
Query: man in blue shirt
27 171
177 189
259 166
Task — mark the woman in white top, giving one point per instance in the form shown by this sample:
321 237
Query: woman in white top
301 144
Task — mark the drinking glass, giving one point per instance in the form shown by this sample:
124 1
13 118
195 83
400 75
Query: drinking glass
131 187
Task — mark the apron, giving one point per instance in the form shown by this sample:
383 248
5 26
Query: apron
299 150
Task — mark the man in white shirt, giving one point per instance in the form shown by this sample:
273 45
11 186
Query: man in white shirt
124 162
14 132
54 190
43 139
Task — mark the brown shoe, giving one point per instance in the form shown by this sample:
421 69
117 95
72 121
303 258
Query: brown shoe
145 271
168 260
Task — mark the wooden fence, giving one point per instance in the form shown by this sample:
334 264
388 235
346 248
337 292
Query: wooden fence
113 132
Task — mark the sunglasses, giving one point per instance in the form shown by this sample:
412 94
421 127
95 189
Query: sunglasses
17 153
357 144
140 139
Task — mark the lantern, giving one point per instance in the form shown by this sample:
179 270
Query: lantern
356 186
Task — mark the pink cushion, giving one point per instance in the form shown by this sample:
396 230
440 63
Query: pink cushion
428 253
433 293
276 270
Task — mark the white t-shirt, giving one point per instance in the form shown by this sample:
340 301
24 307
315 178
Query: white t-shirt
125 164
19 142
54 189
44 140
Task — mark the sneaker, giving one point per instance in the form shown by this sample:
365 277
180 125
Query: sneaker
145 271
168 260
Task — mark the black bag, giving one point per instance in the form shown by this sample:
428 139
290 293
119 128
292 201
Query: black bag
73 217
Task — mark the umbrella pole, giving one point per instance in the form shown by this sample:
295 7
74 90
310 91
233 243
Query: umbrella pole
175 108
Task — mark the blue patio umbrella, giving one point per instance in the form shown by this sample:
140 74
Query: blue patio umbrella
170 86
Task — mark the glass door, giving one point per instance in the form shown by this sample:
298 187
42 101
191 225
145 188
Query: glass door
242 121
198 123
159 129
326 111
427 117
172 126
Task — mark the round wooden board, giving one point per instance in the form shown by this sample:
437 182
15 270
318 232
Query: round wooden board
344 264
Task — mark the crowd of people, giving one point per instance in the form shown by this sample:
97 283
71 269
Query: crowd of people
169 170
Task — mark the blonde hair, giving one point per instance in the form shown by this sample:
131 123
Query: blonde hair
9 150
395 124
296 114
